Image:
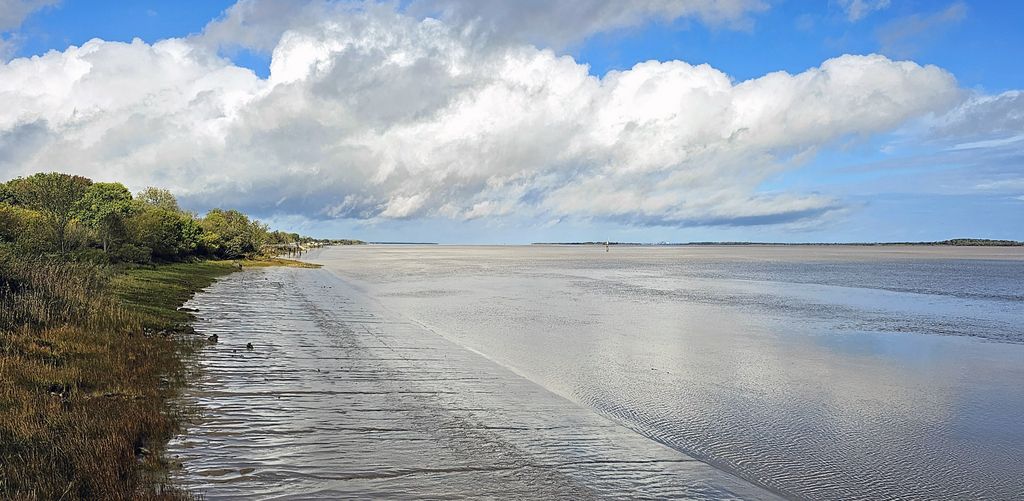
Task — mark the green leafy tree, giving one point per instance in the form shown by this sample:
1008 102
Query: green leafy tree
159 198
104 207
191 235
237 236
210 243
6 194
25 228
158 230
281 237
55 196
10 223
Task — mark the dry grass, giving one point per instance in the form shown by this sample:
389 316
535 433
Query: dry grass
88 363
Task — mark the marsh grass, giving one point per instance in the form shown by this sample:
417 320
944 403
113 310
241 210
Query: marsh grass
89 363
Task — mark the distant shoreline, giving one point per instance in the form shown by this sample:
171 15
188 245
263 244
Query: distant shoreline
402 243
956 242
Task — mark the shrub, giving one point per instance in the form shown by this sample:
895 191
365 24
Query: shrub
131 253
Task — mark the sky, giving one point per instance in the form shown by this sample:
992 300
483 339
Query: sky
484 121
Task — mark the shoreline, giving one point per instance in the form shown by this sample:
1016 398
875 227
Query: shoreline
741 356
98 390
720 466
954 242
396 410
88 403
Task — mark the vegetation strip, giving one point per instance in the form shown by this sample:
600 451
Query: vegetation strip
93 343
84 409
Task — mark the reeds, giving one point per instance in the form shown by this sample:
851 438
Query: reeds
88 364
45 292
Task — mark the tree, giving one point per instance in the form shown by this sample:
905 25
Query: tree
6 194
53 194
104 207
238 236
25 228
191 234
158 230
159 198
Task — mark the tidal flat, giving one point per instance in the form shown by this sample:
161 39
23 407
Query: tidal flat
550 371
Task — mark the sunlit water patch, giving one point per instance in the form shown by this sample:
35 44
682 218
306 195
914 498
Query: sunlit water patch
340 397
819 372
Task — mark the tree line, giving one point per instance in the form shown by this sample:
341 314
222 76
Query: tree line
75 217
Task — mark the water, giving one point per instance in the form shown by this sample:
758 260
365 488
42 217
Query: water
813 372
340 398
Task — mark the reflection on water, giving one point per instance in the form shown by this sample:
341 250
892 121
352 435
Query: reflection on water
817 372
341 398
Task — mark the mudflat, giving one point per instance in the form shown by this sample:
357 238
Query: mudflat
819 371
339 397
568 371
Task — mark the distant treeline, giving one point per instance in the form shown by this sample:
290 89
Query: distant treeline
961 242
598 243
980 242
402 243
82 220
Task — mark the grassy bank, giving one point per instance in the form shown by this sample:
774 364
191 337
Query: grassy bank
89 358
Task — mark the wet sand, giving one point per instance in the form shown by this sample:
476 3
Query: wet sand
341 397
820 372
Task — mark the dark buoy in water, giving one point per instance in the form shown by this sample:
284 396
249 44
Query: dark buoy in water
213 338
248 346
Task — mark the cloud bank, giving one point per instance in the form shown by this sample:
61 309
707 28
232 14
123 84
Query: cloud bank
372 112
259 24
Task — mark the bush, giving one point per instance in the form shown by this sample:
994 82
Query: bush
26 229
131 253
90 256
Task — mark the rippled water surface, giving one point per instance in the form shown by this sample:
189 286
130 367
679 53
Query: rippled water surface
341 398
822 373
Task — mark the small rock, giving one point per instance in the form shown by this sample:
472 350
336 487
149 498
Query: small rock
248 346
213 339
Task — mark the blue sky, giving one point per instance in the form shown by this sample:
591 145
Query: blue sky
790 36
922 177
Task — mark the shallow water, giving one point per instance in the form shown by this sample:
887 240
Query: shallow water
817 372
340 397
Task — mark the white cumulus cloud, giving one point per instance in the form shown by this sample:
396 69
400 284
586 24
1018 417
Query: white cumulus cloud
259 24
374 113
564 22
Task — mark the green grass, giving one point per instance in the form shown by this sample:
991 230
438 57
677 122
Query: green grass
156 293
